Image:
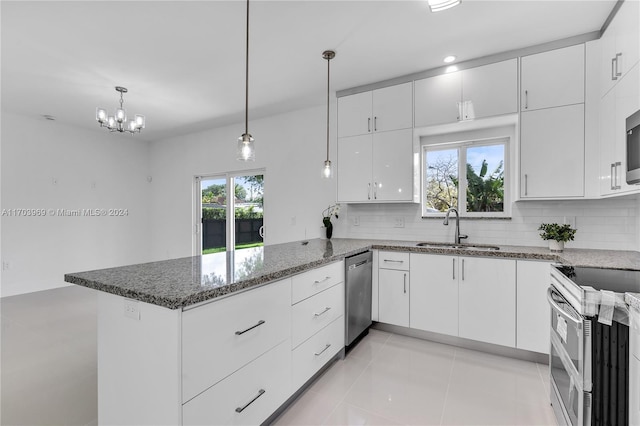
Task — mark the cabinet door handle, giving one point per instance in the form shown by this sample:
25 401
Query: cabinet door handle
327 346
453 269
613 176
241 409
462 269
613 69
375 190
617 181
393 261
375 124
369 191
369 124
321 281
317 314
526 184
405 283
238 333
459 105
526 99
618 73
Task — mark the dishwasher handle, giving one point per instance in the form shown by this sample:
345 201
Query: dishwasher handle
356 265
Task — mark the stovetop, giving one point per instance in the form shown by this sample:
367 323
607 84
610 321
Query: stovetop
616 280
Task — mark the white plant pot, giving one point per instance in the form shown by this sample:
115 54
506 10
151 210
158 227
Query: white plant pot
556 246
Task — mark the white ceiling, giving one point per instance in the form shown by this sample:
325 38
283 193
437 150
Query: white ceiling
183 61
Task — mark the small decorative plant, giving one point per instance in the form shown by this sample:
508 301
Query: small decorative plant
557 235
326 218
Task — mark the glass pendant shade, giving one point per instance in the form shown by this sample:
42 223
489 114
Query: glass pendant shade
121 115
132 126
327 171
111 122
140 121
246 149
101 115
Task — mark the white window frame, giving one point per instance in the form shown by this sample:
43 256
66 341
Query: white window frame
462 147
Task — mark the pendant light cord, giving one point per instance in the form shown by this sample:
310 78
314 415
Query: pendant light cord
246 97
328 62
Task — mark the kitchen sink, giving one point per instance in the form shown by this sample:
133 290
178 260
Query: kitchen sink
478 247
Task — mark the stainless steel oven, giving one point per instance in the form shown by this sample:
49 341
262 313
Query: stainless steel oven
569 362
589 354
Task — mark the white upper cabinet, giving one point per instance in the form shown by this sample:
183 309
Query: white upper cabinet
552 152
491 89
380 110
553 78
619 103
479 92
437 99
620 45
376 167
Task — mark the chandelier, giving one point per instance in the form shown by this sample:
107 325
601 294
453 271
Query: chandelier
118 121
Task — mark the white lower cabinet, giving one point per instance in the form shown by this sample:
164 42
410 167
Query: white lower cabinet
248 396
434 293
313 354
315 313
533 313
470 297
487 300
393 288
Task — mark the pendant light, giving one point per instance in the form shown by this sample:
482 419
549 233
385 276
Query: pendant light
246 150
326 170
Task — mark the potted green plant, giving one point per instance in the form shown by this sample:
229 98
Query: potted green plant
557 235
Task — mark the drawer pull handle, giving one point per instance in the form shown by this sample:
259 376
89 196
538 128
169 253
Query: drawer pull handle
322 351
238 333
241 409
317 314
393 261
321 281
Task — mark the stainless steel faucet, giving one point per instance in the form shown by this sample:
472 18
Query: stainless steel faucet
458 237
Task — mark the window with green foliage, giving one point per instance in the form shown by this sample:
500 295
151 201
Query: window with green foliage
469 176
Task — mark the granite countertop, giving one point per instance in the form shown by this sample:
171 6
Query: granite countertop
178 283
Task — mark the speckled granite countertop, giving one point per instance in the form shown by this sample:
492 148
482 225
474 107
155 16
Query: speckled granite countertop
182 282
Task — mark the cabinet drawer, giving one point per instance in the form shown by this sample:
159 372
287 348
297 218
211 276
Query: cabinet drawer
211 346
266 381
314 281
393 260
313 314
313 354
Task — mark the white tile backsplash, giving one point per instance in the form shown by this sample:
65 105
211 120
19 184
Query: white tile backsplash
610 223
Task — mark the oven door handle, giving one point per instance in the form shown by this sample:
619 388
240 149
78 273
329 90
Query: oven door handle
561 311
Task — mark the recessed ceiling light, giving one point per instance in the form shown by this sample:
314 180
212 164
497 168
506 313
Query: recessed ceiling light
449 59
451 68
440 5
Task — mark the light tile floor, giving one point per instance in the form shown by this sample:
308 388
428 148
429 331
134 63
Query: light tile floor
48 375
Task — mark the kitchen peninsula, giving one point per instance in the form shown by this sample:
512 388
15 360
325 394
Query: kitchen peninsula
214 339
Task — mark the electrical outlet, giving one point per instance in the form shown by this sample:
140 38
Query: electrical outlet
569 220
5 266
132 309
398 222
356 221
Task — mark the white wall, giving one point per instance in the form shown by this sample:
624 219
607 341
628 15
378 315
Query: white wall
602 224
40 250
291 148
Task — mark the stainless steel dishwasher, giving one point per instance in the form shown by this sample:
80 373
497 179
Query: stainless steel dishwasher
358 295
